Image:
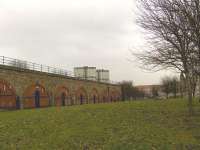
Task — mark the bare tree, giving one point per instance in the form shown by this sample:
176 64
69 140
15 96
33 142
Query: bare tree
170 85
169 34
165 83
154 92
130 92
191 10
174 86
127 89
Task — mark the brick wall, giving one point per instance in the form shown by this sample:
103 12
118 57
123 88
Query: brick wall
24 83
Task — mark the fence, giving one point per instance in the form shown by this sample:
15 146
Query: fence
21 64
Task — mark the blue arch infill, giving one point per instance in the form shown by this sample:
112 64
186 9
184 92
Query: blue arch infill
111 99
37 98
17 102
104 99
63 99
94 99
81 99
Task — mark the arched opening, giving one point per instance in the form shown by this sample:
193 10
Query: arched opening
17 102
94 96
81 99
111 98
7 96
35 96
94 99
104 99
81 96
116 96
62 97
104 96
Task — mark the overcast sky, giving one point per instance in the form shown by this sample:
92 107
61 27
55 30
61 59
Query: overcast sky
71 33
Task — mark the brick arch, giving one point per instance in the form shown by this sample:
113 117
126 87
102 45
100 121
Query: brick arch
117 95
29 96
62 96
81 96
104 96
114 96
94 96
7 95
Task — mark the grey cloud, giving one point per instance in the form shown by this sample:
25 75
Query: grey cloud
68 33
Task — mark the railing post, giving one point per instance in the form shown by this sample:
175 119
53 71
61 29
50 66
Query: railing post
3 60
41 68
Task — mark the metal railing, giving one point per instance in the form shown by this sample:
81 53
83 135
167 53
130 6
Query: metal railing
33 66
21 64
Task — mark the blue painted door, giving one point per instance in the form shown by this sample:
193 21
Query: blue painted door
94 99
63 99
37 99
81 99
111 99
17 102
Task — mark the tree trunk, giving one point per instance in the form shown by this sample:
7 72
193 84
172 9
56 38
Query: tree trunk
199 87
174 94
181 90
194 84
190 103
190 94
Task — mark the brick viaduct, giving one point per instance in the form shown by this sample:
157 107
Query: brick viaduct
22 88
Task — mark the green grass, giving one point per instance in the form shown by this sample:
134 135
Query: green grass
137 125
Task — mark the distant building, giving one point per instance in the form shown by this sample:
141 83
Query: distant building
148 90
86 73
91 73
103 75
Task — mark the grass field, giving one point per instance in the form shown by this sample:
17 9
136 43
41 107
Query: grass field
137 125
